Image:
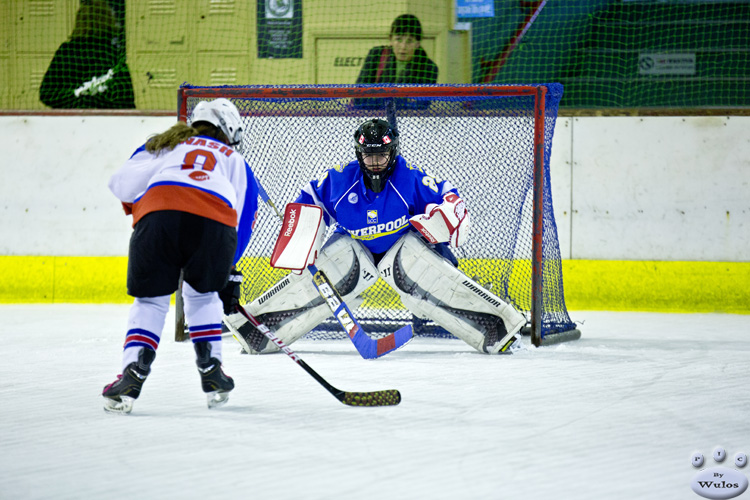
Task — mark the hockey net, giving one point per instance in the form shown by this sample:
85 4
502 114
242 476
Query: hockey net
492 142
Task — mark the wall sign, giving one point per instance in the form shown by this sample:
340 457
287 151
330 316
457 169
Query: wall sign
280 29
475 8
667 64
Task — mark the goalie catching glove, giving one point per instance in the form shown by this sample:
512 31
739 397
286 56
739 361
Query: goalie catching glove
447 222
300 238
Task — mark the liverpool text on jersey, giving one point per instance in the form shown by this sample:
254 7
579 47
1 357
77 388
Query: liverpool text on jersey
379 230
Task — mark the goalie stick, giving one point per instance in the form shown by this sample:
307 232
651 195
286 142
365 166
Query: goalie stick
389 397
368 347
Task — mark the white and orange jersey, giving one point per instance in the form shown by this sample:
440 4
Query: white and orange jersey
201 176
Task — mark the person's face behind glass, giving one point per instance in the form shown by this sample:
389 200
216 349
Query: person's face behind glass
404 47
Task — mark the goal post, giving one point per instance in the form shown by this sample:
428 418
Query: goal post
493 143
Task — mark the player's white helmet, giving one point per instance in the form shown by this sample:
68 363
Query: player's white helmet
223 114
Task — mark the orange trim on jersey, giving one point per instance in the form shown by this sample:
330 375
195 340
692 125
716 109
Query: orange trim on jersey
184 199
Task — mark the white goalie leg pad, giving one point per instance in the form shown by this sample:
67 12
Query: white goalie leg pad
292 307
432 288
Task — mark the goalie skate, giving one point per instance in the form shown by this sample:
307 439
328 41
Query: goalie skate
499 341
251 340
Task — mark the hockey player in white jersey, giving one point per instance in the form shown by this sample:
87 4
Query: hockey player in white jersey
193 199
381 204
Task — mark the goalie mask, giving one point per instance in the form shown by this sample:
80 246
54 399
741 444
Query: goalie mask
376 144
222 114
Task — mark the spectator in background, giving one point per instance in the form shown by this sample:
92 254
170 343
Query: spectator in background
404 60
89 70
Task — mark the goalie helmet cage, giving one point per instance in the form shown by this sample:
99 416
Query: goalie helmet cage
492 142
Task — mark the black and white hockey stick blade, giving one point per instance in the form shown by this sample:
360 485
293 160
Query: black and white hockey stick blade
389 397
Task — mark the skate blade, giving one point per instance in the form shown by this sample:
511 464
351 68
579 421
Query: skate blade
215 399
517 346
506 346
510 346
120 407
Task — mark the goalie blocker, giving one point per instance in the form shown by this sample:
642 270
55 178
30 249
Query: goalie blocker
300 239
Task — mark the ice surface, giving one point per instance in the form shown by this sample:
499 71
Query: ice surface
614 415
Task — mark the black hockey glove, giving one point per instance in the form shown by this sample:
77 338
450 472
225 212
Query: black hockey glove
230 294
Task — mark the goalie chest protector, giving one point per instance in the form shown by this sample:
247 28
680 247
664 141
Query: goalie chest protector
377 220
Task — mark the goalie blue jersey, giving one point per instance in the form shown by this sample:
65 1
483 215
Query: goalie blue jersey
378 220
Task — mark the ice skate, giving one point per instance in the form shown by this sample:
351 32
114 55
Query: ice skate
120 394
216 384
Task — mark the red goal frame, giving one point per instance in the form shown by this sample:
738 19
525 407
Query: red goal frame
538 92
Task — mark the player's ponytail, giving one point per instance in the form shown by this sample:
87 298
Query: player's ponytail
180 132
170 138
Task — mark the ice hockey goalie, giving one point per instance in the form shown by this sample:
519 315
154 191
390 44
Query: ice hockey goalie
429 285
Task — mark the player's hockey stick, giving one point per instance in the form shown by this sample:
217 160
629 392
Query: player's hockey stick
389 397
367 346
